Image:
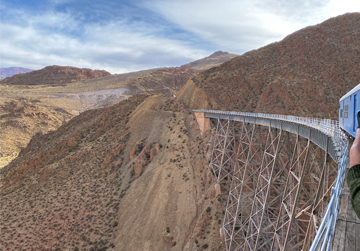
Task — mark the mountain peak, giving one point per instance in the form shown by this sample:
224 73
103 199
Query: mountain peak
215 59
218 54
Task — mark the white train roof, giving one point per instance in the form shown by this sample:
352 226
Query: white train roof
353 90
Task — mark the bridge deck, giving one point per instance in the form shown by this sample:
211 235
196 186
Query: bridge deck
347 231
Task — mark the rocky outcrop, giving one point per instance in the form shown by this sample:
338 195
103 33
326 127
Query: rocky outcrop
169 240
54 75
144 154
194 97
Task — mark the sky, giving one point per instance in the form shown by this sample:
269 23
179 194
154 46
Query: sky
130 35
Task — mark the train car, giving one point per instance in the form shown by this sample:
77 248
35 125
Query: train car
348 109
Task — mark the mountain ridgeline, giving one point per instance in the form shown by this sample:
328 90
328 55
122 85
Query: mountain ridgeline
305 74
42 100
54 75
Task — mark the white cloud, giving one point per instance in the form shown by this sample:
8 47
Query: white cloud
116 46
338 7
239 26
175 31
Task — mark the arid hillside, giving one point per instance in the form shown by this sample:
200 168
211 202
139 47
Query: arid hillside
21 119
305 74
45 104
129 177
63 92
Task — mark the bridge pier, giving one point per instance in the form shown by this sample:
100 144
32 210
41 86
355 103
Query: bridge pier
204 122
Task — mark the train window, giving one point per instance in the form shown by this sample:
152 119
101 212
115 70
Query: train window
341 111
346 111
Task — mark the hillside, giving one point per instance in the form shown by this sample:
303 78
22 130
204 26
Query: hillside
61 93
167 80
130 176
305 74
11 71
28 109
21 119
215 59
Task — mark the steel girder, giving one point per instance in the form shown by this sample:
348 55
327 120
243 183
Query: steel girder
280 183
222 159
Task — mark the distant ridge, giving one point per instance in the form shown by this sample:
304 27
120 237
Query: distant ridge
11 71
54 75
215 59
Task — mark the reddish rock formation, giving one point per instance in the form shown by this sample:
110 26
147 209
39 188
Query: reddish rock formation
144 155
169 240
54 75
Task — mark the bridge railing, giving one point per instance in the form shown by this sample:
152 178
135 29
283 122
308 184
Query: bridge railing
324 236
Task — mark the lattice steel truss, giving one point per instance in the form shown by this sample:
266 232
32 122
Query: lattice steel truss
222 160
280 185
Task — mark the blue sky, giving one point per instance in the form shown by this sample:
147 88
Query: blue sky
124 36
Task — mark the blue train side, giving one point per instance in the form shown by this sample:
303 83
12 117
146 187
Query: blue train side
348 109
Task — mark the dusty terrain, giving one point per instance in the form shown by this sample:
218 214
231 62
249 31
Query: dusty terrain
28 109
23 118
60 93
132 176
305 74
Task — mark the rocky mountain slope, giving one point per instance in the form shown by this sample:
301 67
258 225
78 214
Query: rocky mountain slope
23 113
21 119
305 74
11 71
63 92
132 176
167 80
45 104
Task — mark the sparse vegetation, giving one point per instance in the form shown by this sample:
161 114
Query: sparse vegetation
88 177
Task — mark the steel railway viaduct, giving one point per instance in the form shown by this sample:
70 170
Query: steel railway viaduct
285 177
